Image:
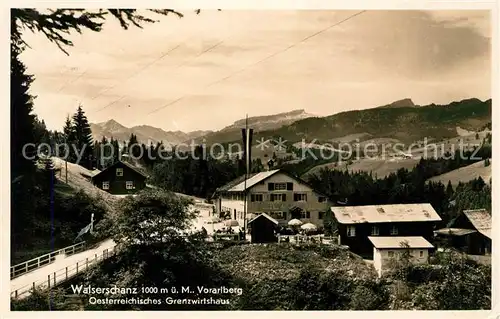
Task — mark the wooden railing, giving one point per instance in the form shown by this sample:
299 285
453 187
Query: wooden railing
231 237
62 275
35 263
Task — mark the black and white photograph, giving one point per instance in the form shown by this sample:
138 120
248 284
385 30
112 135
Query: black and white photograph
222 159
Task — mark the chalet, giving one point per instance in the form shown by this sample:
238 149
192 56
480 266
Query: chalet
121 178
387 249
277 193
356 223
470 232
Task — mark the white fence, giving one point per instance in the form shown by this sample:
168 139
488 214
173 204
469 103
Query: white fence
35 263
308 239
61 275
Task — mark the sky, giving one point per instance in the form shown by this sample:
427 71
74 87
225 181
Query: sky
203 72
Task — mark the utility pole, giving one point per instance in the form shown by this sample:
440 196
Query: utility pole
247 159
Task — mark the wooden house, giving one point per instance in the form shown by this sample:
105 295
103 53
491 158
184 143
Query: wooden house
263 229
356 223
121 178
470 232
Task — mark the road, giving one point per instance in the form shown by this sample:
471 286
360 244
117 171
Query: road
40 276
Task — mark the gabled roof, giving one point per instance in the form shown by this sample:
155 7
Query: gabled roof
237 181
481 220
394 242
266 216
132 167
385 213
238 184
255 179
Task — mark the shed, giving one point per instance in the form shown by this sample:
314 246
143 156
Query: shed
470 232
386 249
262 229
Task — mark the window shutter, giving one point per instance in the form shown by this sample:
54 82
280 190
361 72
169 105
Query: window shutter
289 186
308 214
270 186
284 197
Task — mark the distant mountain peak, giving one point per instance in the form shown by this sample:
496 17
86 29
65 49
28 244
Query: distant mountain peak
407 102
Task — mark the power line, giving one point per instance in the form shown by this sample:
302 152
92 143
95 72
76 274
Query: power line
176 67
137 72
71 82
263 60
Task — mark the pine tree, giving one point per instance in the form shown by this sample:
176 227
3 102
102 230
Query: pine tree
83 138
21 106
449 190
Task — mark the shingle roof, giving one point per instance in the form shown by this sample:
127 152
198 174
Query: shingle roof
385 213
238 184
395 242
266 216
234 182
255 179
132 167
481 220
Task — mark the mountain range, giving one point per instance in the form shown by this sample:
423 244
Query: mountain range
401 120
146 133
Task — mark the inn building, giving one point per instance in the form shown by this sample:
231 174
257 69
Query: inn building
277 193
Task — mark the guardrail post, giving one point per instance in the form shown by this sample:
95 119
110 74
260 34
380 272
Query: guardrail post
87 264
77 267
33 286
26 267
54 278
15 294
66 273
48 280
96 258
38 262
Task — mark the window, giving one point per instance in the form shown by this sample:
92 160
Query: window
278 198
105 185
299 197
321 215
119 172
279 186
421 253
277 215
375 231
351 231
304 215
256 197
394 230
129 185
322 199
390 253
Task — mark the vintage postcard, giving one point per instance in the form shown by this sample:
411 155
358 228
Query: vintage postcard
222 159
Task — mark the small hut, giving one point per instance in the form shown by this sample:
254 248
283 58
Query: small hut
262 229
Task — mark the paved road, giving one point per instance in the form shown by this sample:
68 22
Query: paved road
41 274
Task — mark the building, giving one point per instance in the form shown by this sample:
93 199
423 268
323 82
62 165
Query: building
356 223
121 178
388 249
470 232
277 193
263 229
